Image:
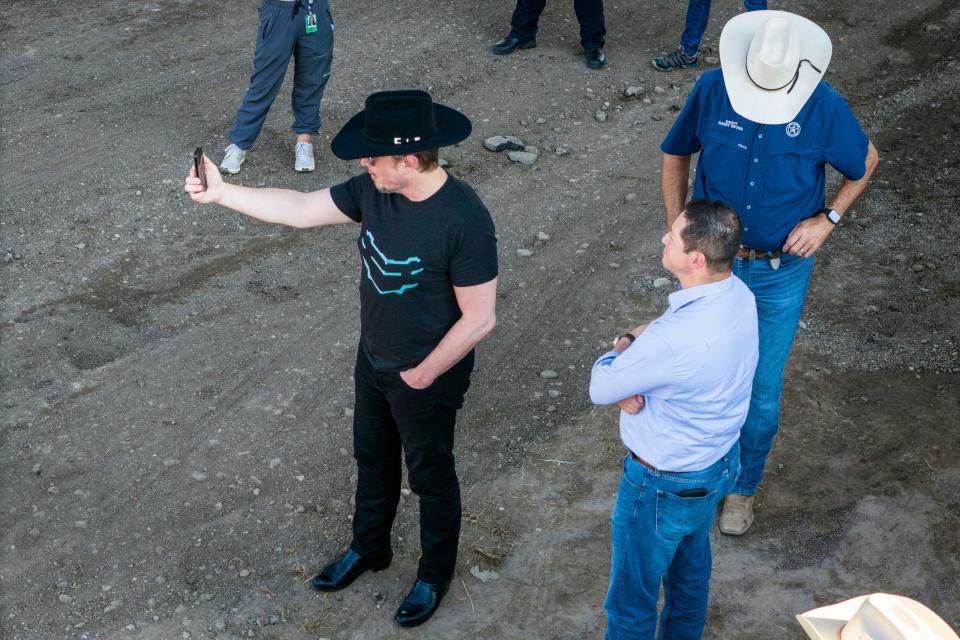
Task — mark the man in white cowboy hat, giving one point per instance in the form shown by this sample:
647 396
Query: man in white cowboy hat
878 616
765 125
428 283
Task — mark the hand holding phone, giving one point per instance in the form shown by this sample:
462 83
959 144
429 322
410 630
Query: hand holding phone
198 167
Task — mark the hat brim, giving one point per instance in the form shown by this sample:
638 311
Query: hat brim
749 100
351 142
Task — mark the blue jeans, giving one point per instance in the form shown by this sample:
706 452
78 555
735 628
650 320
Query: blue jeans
780 294
698 12
659 536
282 34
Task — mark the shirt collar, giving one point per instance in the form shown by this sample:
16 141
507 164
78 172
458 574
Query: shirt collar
682 297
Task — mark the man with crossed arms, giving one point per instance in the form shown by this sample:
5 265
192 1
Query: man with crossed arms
683 384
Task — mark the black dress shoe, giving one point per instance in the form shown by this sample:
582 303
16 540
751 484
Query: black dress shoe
345 569
511 43
421 603
595 58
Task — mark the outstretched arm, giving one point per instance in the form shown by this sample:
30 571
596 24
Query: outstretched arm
278 206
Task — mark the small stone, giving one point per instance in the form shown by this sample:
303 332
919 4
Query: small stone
483 576
659 283
503 143
406 491
274 463
348 412
541 121
36 469
614 265
244 573
53 489
548 374
632 91
34 532
524 123
600 115
543 237
219 625
917 268
803 325
80 524
273 620
523 157
553 393
64 598
443 163
712 60
524 253
659 89
198 476
647 101
630 197
561 151
932 28
8 258
850 22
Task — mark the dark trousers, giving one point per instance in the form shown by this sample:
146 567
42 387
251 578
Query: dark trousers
589 14
390 417
281 35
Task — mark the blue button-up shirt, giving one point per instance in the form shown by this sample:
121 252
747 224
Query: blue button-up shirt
771 175
694 367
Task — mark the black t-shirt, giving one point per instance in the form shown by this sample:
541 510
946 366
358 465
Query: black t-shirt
412 254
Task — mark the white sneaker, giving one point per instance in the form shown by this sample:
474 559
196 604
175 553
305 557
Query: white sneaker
233 157
304 157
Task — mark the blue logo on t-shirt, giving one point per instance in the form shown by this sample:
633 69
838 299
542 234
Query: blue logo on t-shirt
371 254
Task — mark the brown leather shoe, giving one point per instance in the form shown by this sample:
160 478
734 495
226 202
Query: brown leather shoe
737 514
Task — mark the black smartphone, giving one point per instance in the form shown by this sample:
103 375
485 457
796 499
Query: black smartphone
198 167
693 493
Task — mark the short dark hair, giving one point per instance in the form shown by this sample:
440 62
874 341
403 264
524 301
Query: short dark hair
428 159
713 229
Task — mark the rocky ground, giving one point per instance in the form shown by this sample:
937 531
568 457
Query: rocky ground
175 444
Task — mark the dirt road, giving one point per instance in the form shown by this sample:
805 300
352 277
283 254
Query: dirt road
175 444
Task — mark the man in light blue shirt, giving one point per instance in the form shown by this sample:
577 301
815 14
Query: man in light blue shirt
683 384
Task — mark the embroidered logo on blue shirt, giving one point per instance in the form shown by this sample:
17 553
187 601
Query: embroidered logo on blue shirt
371 254
732 124
793 129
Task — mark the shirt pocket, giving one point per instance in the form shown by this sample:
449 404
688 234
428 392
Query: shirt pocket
791 165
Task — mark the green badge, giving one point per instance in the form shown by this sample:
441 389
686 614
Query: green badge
311 22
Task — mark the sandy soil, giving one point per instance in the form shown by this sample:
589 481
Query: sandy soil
174 449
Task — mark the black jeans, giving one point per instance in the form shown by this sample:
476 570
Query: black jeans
390 417
589 14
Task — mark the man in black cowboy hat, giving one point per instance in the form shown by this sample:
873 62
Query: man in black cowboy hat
427 293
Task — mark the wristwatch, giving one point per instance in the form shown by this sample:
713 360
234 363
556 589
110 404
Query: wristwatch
832 214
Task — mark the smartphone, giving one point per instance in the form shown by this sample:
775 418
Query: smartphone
693 493
198 167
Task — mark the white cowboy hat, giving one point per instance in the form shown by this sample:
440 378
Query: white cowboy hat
879 616
771 62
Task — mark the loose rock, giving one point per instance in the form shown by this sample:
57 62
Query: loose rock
548 374
523 157
524 253
632 91
659 283
600 115
543 237
503 143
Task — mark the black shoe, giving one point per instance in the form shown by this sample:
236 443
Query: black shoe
421 603
595 58
511 43
345 569
678 59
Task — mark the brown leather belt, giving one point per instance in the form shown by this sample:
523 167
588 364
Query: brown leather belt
650 466
746 253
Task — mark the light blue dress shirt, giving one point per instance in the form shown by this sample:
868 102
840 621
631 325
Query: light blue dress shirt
694 366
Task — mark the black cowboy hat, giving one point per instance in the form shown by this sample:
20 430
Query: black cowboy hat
394 123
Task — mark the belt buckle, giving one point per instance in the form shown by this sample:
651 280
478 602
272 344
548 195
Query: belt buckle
775 262
753 254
